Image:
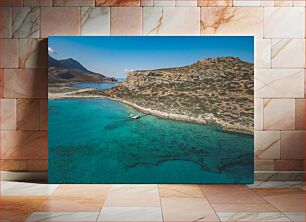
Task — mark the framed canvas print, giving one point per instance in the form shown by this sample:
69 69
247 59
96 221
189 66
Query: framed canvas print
151 109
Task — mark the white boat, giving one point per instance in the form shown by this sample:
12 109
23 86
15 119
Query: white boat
135 117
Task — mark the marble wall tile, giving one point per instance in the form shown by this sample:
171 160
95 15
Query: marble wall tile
146 2
163 3
289 165
282 176
18 208
262 53
95 21
305 82
278 19
37 165
123 3
25 22
5 22
5 3
221 3
169 20
43 114
292 145
279 83
51 17
279 114
299 3
237 3
267 3
300 114
267 145
284 3
8 53
13 165
232 21
73 2
126 21
283 50
37 2
277 184
258 114
32 53
28 114
8 114
1 83
25 83
262 165
186 3
24 145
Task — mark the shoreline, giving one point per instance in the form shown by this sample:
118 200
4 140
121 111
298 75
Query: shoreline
179 117
163 115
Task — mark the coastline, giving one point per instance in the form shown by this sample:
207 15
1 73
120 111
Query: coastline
179 117
164 115
67 95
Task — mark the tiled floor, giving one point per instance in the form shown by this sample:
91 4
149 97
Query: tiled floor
269 201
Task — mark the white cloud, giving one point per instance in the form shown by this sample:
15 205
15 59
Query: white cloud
128 70
50 50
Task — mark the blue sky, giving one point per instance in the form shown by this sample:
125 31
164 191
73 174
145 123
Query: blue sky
116 55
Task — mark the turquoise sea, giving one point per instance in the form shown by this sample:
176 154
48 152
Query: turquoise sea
97 85
96 141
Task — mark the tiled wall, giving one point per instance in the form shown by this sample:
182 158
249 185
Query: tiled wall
279 27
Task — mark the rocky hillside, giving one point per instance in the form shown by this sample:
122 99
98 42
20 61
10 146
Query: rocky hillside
70 71
213 90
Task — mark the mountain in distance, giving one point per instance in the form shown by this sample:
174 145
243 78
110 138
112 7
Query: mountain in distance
71 71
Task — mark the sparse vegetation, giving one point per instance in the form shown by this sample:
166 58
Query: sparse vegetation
218 90
219 86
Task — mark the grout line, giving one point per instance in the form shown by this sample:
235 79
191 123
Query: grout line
33 131
39 24
209 202
39 115
278 210
160 203
104 201
263 113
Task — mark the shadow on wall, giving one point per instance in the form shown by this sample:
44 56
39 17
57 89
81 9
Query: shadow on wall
24 110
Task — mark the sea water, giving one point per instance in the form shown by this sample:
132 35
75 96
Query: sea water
96 141
97 85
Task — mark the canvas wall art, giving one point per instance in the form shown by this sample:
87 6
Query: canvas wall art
151 109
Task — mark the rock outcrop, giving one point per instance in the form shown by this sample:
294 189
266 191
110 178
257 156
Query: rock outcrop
212 90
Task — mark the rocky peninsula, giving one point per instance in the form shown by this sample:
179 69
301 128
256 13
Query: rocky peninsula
212 90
